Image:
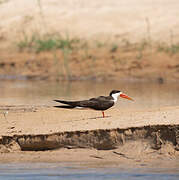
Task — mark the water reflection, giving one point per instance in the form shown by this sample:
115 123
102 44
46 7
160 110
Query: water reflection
146 95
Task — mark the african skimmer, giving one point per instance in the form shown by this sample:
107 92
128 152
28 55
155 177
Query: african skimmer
100 103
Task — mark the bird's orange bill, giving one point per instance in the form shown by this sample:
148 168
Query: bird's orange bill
127 97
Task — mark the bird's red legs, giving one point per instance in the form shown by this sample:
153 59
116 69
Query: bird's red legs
103 114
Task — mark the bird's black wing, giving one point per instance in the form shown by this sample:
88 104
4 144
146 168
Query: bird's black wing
99 103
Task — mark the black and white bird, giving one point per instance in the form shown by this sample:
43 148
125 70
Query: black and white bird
100 103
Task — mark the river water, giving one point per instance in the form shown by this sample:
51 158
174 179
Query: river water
55 171
146 95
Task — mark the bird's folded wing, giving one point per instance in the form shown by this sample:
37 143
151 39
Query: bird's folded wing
96 104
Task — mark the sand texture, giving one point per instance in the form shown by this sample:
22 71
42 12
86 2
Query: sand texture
131 19
123 138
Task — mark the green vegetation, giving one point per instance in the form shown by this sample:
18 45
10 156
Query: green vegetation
50 42
46 42
169 49
65 50
114 48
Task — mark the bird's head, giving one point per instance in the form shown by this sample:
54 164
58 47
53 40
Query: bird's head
116 93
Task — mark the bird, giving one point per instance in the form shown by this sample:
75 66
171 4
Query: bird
100 103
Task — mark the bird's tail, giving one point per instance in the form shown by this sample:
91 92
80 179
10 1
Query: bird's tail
70 103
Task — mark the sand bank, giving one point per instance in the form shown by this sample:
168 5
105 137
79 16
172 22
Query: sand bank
53 135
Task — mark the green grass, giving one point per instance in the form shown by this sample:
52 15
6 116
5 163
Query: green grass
49 43
46 42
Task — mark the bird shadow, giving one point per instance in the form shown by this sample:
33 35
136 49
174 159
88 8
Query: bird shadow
99 117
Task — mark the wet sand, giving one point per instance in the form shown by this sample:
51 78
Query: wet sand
134 138
95 159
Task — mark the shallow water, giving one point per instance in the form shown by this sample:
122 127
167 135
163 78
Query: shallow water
41 171
146 95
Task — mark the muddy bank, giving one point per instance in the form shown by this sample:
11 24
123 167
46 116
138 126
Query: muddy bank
94 63
103 139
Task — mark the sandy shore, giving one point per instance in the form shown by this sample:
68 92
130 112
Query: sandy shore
96 159
46 134
44 120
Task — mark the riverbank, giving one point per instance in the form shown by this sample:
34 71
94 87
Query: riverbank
93 41
134 138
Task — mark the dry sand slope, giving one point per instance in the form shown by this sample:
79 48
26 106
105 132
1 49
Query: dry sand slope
99 22
130 19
